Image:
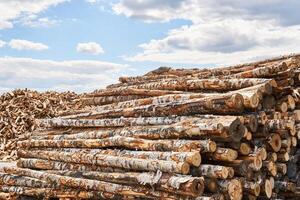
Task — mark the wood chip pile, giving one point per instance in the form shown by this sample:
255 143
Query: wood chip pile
202 134
20 108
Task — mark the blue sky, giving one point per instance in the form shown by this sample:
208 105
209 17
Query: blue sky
83 45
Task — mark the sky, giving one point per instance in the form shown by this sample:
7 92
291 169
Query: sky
83 45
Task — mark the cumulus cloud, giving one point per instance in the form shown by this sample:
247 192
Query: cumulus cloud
14 9
2 43
218 34
77 75
27 45
90 48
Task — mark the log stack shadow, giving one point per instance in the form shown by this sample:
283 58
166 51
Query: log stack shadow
202 134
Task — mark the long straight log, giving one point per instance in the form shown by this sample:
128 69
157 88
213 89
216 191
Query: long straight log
86 184
44 193
13 180
127 142
183 185
110 161
207 105
228 128
56 165
193 158
200 84
262 72
132 91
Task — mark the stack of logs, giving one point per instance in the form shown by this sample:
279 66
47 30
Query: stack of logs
202 134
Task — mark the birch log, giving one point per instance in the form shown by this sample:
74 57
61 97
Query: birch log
183 185
111 161
86 184
127 142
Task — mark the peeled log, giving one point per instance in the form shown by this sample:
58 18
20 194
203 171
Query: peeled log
110 161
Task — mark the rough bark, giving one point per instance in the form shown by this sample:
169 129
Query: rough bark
110 161
206 105
183 185
211 171
86 184
127 142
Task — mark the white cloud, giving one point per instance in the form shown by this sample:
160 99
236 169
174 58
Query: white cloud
5 25
217 34
77 75
36 21
2 43
27 45
13 9
90 48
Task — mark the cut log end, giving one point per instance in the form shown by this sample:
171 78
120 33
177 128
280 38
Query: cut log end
268 188
235 190
195 159
185 168
237 129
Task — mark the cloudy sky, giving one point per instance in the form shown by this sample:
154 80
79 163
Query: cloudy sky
83 45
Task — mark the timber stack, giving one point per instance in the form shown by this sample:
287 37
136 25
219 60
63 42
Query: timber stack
202 134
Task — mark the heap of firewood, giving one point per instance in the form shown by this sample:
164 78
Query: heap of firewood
203 134
20 108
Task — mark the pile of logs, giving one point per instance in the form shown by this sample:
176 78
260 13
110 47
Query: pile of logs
201 134
20 108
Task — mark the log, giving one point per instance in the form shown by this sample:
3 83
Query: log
55 165
244 149
224 154
200 84
281 168
266 188
86 184
110 161
183 185
12 180
270 167
233 188
132 91
211 171
228 128
44 193
207 105
5 196
193 158
127 142
263 72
